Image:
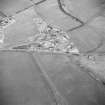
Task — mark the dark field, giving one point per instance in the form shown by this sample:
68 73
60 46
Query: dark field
24 83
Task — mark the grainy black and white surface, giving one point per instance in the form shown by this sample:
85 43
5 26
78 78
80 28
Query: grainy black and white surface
39 77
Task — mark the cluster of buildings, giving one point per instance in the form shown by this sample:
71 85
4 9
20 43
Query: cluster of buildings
52 38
